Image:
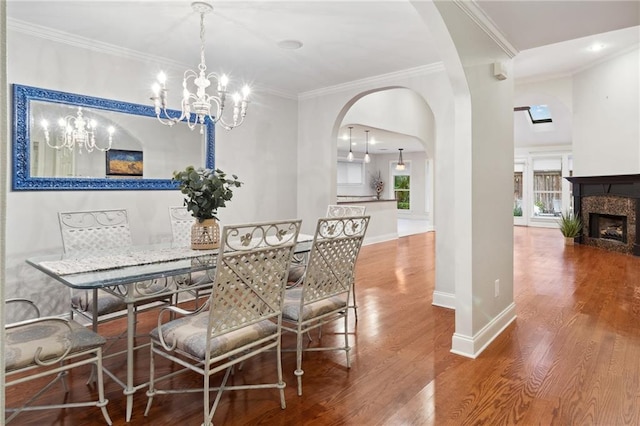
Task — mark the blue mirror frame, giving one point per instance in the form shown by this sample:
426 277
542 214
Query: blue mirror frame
22 179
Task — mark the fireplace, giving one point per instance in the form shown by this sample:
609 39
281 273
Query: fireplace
608 227
609 207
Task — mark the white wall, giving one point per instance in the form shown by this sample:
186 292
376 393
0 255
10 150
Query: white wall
320 115
482 174
396 110
262 152
4 149
557 95
606 106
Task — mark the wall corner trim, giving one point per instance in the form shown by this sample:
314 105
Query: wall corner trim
473 346
444 300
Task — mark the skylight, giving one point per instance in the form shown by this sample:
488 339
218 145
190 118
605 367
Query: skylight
540 114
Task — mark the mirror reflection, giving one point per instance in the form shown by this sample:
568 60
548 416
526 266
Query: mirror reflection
66 141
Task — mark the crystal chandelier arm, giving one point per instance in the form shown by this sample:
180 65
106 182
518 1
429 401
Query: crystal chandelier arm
60 139
110 131
198 102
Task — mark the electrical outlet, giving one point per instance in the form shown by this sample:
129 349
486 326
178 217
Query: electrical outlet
497 288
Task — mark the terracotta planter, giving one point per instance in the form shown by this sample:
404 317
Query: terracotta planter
568 241
205 235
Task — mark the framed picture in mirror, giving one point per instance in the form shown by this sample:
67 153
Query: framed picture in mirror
120 162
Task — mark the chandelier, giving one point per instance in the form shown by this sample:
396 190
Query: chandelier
198 101
76 130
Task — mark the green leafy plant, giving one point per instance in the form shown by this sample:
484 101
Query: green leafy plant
570 225
205 190
517 211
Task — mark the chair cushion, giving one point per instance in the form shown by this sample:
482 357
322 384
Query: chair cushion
291 309
22 342
190 332
295 273
109 303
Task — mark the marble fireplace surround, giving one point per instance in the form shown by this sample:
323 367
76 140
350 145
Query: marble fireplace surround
617 195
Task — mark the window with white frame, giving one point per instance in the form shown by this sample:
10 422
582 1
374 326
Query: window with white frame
547 186
402 186
350 173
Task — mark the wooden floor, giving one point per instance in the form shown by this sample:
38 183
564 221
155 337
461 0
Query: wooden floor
572 357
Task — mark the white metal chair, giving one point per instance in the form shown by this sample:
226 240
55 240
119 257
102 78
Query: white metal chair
324 293
296 272
342 210
42 347
241 319
181 221
87 231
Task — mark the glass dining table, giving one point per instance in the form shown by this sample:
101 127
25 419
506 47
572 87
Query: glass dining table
119 272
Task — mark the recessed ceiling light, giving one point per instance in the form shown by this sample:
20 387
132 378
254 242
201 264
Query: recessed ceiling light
290 44
597 47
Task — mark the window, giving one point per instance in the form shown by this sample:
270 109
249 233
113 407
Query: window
540 114
547 187
402 189
537 113
517 193
402 185
350 173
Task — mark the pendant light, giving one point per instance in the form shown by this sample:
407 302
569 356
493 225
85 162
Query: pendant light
367 158
350 156
400 165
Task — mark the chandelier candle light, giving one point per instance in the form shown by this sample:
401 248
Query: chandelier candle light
77 130
201 103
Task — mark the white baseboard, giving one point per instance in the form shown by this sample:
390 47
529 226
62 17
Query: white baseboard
471 347
444 300
380 238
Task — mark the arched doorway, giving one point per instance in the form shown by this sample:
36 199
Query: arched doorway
380 124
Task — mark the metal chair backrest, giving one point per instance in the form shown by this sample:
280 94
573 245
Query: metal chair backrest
342 210
332 260
94 230
251 274
181 222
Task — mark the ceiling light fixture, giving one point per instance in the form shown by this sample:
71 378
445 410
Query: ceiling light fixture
597 47
350 156
77 130
367 158
199 104
400 164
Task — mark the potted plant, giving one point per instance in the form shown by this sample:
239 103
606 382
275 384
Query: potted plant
205 191
570 226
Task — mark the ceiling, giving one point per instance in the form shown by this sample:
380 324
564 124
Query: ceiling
343 41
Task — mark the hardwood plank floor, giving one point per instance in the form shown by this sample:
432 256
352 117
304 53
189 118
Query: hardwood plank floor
570 358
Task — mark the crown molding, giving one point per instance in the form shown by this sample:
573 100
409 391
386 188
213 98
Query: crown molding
365 83
541 77
606 58
487 25
85 43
